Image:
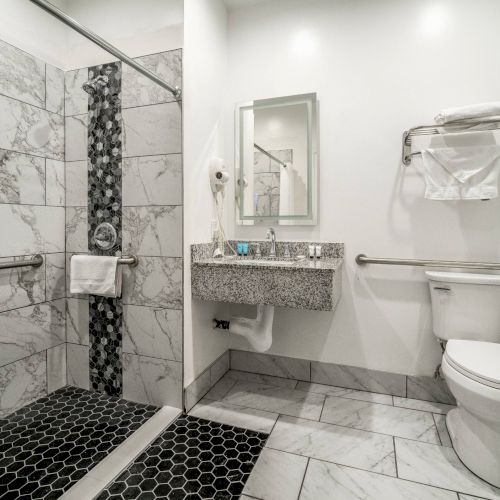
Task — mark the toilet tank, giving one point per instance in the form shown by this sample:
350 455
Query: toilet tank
465 306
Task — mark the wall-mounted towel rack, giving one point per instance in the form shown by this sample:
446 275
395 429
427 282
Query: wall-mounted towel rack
490 123
36 261
129 260
490 266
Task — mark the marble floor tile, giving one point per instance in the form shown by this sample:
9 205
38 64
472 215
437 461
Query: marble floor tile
22 383
365 450
417 404
444 436
266 364
276 476
329 390
468 497
55 183
22 178
152 180
325 481
77 321
152 381
276 399
221 388
239 416
54 89
55 267
76 183
263 379
155 231
76 137
152 331
429 389
76 99
363 379
77 365
152 130
56 368
439 466
411 424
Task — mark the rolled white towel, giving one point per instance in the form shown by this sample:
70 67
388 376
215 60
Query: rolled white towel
466 112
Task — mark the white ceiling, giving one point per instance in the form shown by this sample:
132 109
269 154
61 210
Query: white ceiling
235 4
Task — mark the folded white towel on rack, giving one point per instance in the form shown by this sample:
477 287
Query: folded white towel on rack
96 275
461 173
466 112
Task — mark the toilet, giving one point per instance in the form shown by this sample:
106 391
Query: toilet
466 318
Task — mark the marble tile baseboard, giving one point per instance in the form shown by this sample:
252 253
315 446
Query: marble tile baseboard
341 376
205 381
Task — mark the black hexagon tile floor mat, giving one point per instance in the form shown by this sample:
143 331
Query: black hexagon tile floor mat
192 459
49 445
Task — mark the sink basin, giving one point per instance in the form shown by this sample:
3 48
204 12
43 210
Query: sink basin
261 262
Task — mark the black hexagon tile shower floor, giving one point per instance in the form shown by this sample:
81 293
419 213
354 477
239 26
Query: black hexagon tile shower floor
192 459
49 445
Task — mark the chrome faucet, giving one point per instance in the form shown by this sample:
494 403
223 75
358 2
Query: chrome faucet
271 235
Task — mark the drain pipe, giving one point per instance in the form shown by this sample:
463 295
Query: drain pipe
258 331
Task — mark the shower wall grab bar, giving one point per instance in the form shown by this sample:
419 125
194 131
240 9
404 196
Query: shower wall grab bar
93 37
129 260
36 261
491 123
362 259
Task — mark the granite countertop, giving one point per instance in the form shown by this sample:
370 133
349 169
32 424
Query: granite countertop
330 264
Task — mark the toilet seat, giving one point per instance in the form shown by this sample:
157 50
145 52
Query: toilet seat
479 361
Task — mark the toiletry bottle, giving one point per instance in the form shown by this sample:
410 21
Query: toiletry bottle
318 251
312 251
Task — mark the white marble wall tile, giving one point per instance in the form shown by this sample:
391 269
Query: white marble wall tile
152 130
21 286
439 466
76 137
276 399
152 331
324 481
77 321
31 329
55 265
77 365
365 450
22 76
76 183
152 381
56 368
152 180
239 416
411 424
267 364
417 404
219 368
31 229
54 89
76 99
444 436
196 389
262 379
429 389
76 229
276 476
358 378
22 178
22 382
55 183
137 90
155 282
155 231
27 129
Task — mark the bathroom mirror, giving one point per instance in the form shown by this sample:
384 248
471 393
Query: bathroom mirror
276 160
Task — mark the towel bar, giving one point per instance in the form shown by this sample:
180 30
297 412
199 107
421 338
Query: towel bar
129 260
36 261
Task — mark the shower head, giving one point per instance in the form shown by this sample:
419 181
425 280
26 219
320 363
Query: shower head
92 86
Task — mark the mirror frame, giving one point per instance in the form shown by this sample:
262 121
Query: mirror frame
311 218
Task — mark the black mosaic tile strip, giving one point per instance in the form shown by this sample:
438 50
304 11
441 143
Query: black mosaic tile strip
105 205
49 445
192 459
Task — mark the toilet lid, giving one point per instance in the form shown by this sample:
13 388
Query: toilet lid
480 359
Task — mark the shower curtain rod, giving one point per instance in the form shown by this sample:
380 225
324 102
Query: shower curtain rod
93 37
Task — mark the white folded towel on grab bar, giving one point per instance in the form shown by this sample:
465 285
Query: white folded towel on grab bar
96 275
461 173
467 112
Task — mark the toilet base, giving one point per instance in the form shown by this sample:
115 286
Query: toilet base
477 444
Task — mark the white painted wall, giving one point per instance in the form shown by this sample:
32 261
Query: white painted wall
205 86
378 68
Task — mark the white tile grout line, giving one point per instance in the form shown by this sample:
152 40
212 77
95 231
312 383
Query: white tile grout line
110 467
